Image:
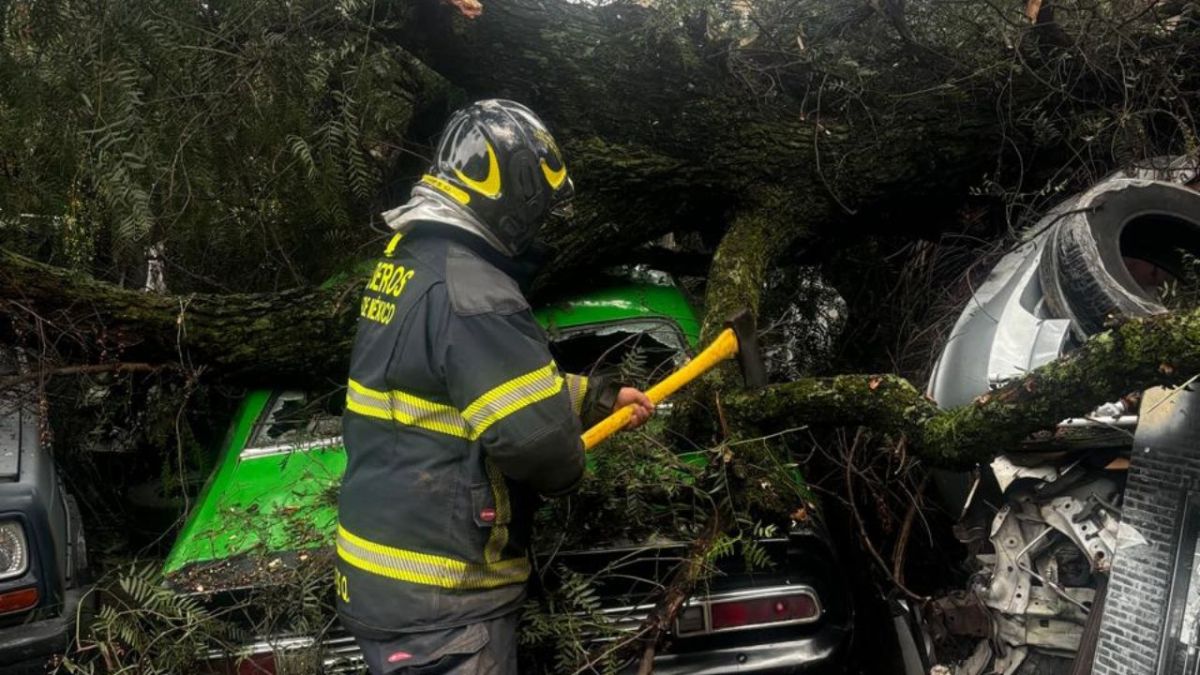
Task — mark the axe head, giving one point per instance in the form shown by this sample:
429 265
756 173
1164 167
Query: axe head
749 358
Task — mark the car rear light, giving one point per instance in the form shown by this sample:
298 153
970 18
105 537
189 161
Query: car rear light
753 612
259 664
18 601
254 664
750 608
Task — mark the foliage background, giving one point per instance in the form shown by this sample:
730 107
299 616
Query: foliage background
250 139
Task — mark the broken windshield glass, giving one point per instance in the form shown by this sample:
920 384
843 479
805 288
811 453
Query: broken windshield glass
638 353
300 417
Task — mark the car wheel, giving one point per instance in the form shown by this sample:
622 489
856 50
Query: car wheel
1113 247
79 557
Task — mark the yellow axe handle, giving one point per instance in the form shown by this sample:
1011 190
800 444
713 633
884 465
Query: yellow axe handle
722 348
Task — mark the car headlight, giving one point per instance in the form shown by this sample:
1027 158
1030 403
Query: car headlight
14 552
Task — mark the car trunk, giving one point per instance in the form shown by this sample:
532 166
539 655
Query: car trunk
627 581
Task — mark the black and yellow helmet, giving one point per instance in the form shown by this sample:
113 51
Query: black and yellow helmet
499 161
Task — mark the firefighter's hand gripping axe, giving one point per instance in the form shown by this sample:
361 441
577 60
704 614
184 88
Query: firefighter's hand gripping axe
738 339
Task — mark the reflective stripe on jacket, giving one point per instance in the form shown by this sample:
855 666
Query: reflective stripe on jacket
456 417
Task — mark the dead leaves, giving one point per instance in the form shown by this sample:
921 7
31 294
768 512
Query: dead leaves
1032 8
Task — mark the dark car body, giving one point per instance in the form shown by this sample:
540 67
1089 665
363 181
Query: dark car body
39 596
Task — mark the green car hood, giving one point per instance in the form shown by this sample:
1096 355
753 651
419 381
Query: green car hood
266 502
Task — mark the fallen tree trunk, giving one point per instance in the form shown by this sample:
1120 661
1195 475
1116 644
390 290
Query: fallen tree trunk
665 129
700 150
306 335
300 335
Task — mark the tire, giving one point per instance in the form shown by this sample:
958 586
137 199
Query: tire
1083 272
81 571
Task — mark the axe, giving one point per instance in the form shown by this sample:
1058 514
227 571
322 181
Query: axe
738 339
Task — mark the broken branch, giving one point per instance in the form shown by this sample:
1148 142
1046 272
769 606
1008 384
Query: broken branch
1157 351
92 369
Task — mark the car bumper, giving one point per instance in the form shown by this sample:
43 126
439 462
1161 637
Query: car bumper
818 652
27 647
811 654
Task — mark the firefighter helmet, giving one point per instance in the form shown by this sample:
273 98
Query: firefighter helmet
498 160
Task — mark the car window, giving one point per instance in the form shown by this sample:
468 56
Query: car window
295 417
639 353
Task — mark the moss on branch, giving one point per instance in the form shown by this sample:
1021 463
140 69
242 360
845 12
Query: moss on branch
1136 355
1131 357
772 220
297 335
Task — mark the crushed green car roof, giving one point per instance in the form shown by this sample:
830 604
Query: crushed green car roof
619 304
284 499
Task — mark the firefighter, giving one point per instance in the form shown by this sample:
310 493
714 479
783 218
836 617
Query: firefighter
457 417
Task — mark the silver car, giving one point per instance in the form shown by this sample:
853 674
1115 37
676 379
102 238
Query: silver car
1044 520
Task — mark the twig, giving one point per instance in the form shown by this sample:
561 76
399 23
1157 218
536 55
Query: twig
1172 394
862 530
905 530
680 589
189 388
768 437
816 144
93 369
721 416
590 665
647 665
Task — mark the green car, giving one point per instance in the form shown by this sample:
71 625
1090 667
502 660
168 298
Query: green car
271 506
284 454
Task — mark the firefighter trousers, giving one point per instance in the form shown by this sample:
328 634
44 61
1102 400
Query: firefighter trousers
486 648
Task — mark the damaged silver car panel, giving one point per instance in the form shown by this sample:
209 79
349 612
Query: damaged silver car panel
1043 521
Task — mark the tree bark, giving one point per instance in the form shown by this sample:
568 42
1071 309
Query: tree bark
300 335
662 133
760 232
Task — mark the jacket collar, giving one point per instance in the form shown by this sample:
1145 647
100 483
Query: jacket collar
522 269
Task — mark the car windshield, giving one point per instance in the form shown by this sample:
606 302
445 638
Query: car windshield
296 417
638 353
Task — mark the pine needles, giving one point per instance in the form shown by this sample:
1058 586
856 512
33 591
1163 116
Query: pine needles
235 134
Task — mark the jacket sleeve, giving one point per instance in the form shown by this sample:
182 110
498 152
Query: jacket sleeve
592 398
500 375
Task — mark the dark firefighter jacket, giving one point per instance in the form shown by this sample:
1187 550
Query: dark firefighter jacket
456 418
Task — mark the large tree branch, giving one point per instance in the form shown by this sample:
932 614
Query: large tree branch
306 335
280 337
1138 354
771 222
